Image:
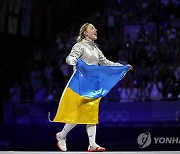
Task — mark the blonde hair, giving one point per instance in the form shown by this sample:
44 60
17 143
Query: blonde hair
81 35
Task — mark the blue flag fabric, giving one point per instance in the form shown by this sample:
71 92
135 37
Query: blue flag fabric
94 81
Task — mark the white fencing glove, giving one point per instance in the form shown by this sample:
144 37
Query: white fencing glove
131 68
71 60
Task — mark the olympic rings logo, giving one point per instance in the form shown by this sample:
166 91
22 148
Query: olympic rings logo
114 116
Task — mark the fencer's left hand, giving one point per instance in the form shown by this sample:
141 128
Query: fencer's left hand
131 68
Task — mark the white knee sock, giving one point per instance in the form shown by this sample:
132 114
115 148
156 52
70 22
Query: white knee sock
66 129
91 131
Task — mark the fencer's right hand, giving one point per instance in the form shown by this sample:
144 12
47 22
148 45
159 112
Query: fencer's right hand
71 60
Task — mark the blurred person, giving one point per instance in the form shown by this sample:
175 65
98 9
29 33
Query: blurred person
132 91
171 32
15 91
177 89
155 89
48 71
59 42
38 53
123 92
142 36
169 88
39 91
35 75
143 92
65 69
58 80
51 95
122 55
88 51
26 91
177 70
110 23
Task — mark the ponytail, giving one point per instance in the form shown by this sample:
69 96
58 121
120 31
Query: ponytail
81 35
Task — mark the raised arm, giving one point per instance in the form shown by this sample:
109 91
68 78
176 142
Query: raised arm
104 61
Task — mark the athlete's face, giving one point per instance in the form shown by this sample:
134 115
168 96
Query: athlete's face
91 32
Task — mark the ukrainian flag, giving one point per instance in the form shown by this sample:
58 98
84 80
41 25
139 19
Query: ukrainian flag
79 103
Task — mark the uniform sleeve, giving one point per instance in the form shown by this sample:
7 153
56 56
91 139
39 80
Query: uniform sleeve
103 61
75 53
